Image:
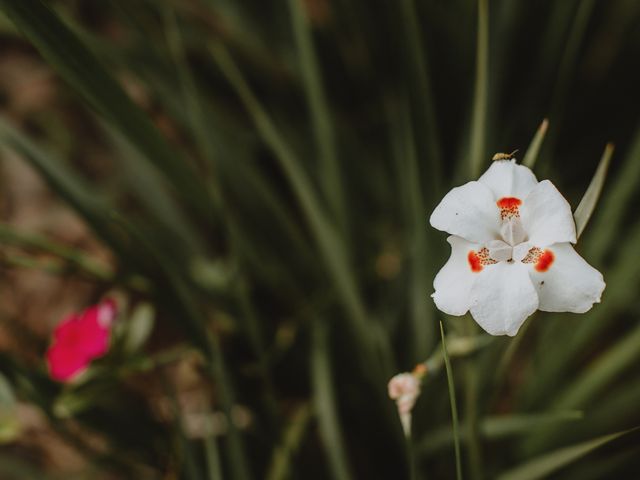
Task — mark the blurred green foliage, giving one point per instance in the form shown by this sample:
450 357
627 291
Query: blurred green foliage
268 193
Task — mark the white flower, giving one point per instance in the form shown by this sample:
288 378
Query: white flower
404 388
511 251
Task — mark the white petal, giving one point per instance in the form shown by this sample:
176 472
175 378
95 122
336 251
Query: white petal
546 216
512 231
570 284
453 282
469 212
499 250
506 178
502 297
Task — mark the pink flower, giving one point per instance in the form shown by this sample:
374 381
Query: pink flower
79 339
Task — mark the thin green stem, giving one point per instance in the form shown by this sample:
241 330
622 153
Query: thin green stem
477 145
318 106
454 407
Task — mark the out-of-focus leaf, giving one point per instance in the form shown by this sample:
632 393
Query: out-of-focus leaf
609 219
406 159
590 198
10 427
139 327
454 408
477 142
318 106
83 71
497 427
549 463
324 402
83 198
531 155
281 461
330 246
592 380
8 235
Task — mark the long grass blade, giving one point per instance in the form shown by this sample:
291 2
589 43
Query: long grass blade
84 72
590 199
324 402
615 204
549 463
425 114
280 468
593 380
71 188
533 150
318 106
477 143
404 151
496 427
454 407
331 249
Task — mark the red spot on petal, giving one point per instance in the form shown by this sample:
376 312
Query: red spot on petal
544 261
509 203
474 261
509 207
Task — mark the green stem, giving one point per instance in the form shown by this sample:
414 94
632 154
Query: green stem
477 144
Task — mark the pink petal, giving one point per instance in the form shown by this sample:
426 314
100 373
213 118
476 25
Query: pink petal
64 363
79 339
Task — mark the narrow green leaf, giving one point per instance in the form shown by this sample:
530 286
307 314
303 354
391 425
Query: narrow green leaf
589 201
75 191
324 402
84 72
281 461
580 19
329 244
593 380
75 257
454 407
139 327
549 463
318 105
477 145
609 219
406 159
496 428
531 155
421 90
212 457
190 95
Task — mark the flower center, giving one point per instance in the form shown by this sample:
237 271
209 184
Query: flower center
509 207
512 246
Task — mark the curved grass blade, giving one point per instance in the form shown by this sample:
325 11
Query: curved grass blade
591 196
406 159
86 75
593 380
91 206
320 114
280 468
533 150
74 257
421 89
324 401
549 463
496 428
608 221
329 244
477 145
454 407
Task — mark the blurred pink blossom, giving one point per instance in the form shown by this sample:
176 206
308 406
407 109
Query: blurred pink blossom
80 338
